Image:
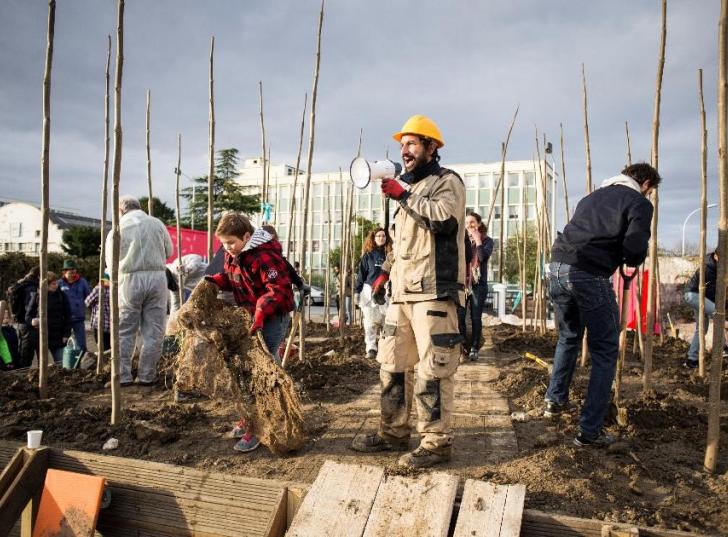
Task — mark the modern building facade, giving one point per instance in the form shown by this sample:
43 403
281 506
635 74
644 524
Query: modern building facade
523 186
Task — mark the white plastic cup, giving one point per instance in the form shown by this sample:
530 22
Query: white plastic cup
34 439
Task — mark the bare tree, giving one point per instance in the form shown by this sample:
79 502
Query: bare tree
211 154
292 211
180 272
44 206
716 362
563 175
654 280
629 145
264 190
703 222
104 206
309 164
150 201
115 233
587 148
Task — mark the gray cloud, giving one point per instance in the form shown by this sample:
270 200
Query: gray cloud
467 64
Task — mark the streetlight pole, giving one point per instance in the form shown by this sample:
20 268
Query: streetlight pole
710 206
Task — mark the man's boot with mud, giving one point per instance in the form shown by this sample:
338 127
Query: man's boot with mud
376 442
423 458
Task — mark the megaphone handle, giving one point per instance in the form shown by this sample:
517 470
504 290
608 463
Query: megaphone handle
386 214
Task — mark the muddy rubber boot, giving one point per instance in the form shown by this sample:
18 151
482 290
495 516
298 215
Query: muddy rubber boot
375 442
422 458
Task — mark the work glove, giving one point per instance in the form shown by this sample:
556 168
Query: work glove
393 189
379 288
258 320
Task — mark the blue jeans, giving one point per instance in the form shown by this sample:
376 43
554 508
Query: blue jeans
274 331
79 333
581 300
693 300
476 301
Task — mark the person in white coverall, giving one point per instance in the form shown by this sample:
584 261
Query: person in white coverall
145 246
375 250
193 270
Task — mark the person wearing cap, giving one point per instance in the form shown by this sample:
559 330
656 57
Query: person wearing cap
76 289
144 248
427 273
92 302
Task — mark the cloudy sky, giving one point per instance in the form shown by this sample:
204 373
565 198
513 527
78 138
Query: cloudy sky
467 64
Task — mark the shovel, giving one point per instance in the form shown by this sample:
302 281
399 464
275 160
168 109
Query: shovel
617 404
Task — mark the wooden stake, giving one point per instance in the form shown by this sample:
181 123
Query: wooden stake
292 211
115 217
309 164
104 207
587 146
524 226
150 202
211 154
563 177
716 363
703 222
654 280
44 206
327 268
180 272
264 189
629 146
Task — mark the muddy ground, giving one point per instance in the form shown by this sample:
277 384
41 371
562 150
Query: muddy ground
653 476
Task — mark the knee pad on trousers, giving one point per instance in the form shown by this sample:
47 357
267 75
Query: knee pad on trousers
428 396
393 391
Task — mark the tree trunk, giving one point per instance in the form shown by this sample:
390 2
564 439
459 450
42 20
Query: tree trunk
654 280
703 222
327 268
716 362
503 164
264 189
501 234
587 146
309 164
150 202
563 177
180 271
44 207
211 154
104 206
115 233
629 145
292 218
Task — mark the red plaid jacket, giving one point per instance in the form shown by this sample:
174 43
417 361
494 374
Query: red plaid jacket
258 277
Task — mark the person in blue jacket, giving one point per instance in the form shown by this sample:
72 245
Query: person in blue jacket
376 246
76 289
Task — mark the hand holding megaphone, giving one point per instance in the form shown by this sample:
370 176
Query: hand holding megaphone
364 172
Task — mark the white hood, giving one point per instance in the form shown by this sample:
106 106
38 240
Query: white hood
623 180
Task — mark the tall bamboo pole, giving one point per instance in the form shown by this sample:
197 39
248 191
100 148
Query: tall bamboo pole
716 362
654 280
292 210
211 154
150 202
104 206
629 145
524 227
180 272
309 164
587 148
345 255
264 189
563 175
503 166
703 222
327 268
44 207
115 217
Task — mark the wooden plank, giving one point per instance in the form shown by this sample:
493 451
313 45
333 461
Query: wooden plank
338 503
407 506
513 512
277 524
24 486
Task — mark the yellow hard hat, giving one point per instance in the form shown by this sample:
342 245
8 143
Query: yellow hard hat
422 126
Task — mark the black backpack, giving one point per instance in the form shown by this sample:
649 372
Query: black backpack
16 300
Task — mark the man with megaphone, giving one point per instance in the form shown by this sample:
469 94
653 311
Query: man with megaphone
427 273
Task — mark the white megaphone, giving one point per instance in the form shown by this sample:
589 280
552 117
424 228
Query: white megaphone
364 172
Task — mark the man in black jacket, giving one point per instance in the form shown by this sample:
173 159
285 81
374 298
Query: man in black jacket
610 227
692 298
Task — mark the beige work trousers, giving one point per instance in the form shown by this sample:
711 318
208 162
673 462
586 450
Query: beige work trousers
422 334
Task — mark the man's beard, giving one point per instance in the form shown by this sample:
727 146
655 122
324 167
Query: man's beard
418 162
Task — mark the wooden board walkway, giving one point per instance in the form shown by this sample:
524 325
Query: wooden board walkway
400 506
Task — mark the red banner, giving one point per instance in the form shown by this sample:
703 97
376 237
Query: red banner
193 242
632 301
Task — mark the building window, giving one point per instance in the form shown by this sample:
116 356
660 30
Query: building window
471 180
37 233
16 229
513 212
484 180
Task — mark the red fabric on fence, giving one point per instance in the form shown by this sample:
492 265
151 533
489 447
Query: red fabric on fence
632 311
193 242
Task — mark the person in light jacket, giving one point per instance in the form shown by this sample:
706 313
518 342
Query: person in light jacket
145 246
376 246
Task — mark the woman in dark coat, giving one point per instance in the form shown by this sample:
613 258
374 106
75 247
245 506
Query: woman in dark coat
59 317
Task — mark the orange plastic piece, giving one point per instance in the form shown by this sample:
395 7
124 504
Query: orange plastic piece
69 505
